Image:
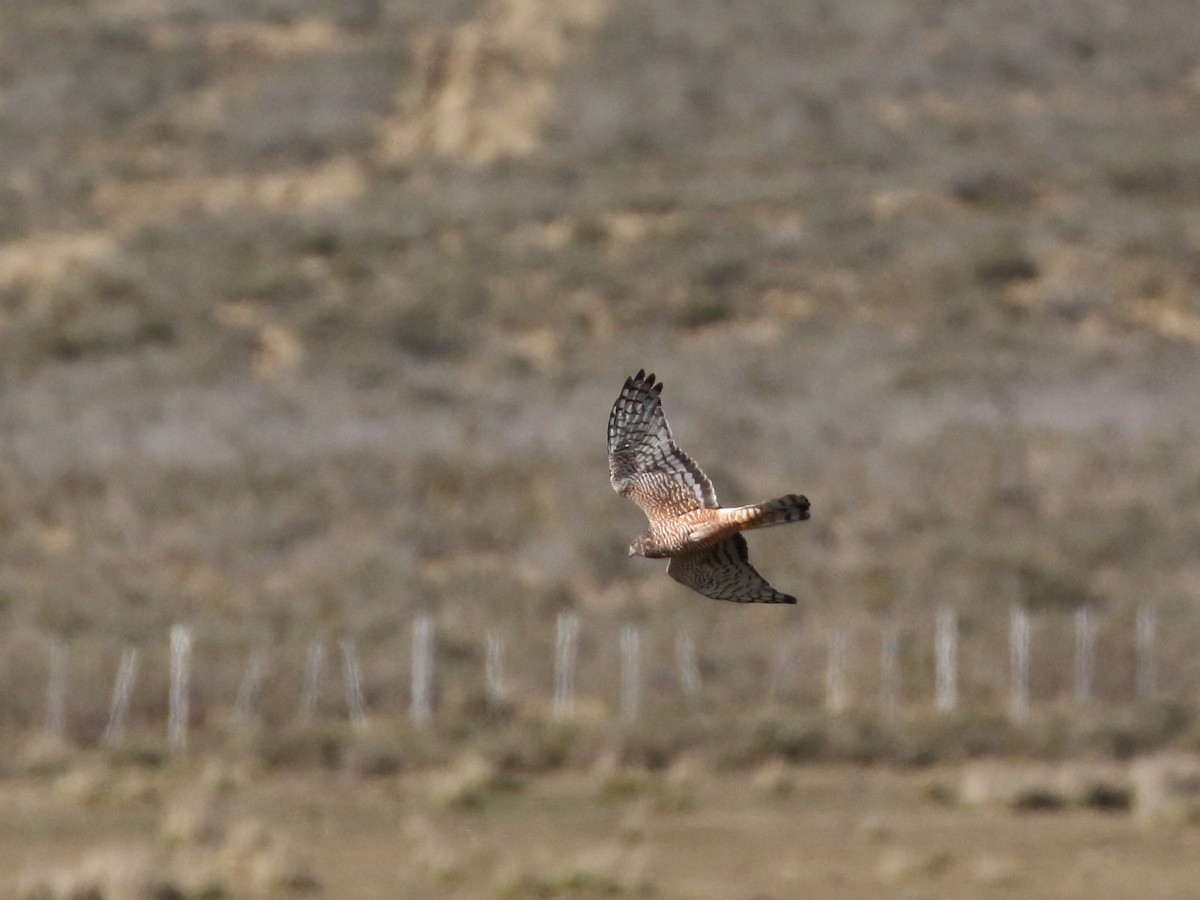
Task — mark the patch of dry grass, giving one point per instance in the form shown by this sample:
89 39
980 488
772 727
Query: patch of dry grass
199 851
1166 789
1032 786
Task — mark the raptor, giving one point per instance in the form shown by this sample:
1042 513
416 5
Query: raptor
701 539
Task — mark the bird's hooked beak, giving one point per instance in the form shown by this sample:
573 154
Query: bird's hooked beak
631 551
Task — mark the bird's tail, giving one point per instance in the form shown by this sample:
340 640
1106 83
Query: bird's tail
780 511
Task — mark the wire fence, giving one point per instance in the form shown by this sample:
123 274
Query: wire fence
884 667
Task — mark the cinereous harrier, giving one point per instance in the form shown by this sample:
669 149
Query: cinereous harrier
702 540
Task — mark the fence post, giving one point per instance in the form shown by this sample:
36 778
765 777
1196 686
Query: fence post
314 663
689 669
420 713
565 648
494 686
118 713
1147 662
256 670
1019 659
181 658
946 653
889 672
783 667
352 682
1085 654
836 695
631 677
56 688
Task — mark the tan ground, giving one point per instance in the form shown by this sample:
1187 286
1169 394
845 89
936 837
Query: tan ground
811 832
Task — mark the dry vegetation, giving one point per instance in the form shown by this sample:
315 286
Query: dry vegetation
311 314
689 831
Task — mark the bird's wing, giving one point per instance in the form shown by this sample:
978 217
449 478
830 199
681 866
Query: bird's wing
723 572
643 461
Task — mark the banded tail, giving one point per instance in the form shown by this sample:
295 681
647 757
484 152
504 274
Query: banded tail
780 511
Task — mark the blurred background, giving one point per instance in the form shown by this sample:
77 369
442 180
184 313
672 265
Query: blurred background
311 316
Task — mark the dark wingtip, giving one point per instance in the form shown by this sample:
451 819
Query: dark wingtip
788 598
645 380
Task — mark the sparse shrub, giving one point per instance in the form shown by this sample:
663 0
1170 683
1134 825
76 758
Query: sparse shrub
530 747
856 738
444 319
490 506
313 744
602 873
382 749
469 783
136 749
92 784
656 746
246 859
193 817
993 189
1039 799
801 738
617 782
1166 789
133 872
94 313
258 860
901 865
773 780
1030 786
705 309
1126 733
43 754
683 781
993 871
806 737
673 790
933 739
1108 797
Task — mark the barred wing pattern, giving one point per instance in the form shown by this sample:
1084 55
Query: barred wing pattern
643 461
723 572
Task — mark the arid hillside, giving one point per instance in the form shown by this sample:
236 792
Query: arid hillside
311 314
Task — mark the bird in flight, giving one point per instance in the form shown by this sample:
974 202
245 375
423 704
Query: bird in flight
701 539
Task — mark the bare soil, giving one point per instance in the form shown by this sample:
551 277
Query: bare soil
836 832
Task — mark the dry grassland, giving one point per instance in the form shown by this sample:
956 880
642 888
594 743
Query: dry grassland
687 832
311 313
